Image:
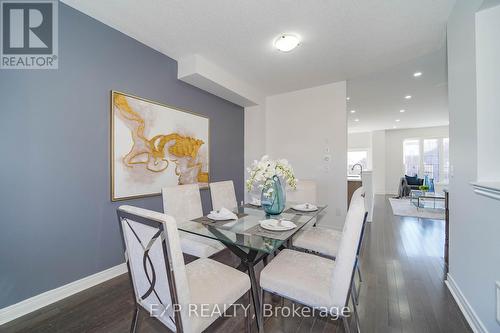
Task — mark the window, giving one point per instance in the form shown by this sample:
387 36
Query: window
431 159
411 156
427 157
356 156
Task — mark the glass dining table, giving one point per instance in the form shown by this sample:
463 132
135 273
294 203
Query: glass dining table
248 240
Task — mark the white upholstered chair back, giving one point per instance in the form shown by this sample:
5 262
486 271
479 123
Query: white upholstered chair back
306 191
347 252
155 264
223 195
183 202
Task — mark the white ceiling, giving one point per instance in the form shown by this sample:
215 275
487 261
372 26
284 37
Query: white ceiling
378 98
341 39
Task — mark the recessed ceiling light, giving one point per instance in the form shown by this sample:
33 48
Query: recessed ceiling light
394 127
286 42
408 96
417 74
353 111
348 98
356 120
398 120
402 110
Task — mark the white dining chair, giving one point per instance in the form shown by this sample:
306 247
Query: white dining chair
326 241
315 281
183 202
305 192
321 240
163 285
223 195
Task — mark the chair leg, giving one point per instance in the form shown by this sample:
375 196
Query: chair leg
358 268
354 293
261 314
133 327
356 315
248 316
347 328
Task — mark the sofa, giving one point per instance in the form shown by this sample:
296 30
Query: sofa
408 183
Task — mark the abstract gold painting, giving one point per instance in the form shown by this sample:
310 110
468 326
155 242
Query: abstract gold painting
155 145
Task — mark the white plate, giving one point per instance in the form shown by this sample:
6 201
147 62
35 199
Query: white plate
275 225
305 207
219 218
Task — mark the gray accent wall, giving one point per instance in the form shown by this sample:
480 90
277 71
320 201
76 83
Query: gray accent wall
57 222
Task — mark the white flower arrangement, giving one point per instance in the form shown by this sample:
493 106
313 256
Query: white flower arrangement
263 171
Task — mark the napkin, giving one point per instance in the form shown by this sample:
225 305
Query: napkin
277 224
224 213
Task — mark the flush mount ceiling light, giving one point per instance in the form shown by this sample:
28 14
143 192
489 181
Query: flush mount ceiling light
398 120
408 97
417 74
353 111
356 120
402 110
286 42
348 98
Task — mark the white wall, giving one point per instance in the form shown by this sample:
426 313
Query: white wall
474 222
488 97
361 141
394 151
304 126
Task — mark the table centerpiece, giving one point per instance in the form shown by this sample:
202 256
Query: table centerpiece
271 176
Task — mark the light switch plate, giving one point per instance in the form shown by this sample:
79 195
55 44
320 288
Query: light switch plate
498 301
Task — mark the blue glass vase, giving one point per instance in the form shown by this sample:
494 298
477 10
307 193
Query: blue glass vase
431 185
274 203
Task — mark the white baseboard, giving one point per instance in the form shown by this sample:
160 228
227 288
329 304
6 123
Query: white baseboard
39 301
470 315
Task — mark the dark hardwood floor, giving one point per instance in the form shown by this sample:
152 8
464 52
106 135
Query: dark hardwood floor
403 291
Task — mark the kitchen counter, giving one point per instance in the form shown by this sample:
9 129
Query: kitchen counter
353 183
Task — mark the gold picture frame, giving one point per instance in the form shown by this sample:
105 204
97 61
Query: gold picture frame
188 155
